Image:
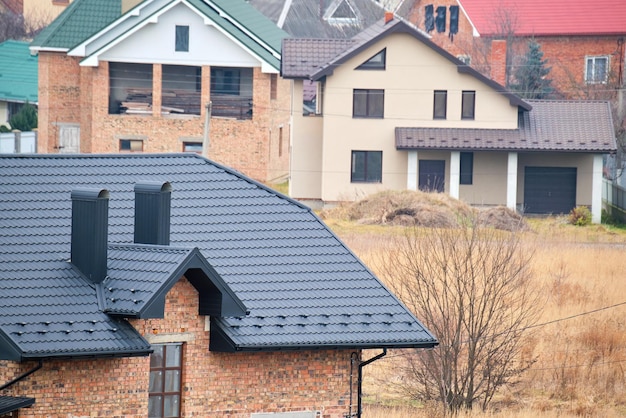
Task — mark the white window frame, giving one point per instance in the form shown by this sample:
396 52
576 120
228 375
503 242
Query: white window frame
590 78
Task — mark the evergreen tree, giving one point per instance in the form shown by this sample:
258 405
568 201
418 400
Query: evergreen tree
531 80
26 119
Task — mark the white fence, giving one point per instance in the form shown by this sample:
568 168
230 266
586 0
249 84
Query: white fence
18 143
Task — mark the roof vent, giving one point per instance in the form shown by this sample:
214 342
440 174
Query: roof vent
152 213
90 227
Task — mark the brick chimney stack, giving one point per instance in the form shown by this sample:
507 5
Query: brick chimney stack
388 17
498 61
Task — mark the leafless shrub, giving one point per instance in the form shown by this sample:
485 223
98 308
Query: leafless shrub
472 287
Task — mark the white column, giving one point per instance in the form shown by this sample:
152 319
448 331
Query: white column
596 190
411 176
455 173
511 181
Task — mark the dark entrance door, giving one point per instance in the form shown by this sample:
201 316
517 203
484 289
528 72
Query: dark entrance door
549 189
432 175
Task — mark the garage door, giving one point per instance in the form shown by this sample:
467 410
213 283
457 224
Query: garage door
549 189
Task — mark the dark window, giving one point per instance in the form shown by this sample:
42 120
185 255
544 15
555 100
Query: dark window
429 18
454 19
180 89
231 92
182 38
367 166
377 62
273 86
596 70
192 147
130 88
225 80
131 145
165 378
468 104
440 20
441 104
467 168
368 103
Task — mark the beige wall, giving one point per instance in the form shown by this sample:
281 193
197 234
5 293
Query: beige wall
43 11
413 71
306 157
4 113
489 180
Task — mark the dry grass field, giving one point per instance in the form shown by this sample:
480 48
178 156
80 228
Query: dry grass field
579 343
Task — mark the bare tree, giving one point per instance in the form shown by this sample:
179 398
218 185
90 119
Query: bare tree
15 26
473 289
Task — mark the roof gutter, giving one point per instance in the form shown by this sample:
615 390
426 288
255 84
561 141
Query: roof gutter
22 376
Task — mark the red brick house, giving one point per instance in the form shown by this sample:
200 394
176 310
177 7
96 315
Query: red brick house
583 42
165 285
144 76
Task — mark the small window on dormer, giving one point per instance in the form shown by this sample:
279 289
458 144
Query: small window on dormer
377 62
182 38
342 12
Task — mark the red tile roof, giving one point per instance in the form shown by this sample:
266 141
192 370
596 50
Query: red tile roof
548 17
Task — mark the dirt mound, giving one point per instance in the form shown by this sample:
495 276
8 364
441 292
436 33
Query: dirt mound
435 210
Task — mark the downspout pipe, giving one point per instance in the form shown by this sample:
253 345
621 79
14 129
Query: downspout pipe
23 376
360 382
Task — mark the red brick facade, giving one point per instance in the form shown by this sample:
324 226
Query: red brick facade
230 385
566 55
70 94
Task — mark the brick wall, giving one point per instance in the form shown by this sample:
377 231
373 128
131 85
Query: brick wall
59 97
72 94
213 384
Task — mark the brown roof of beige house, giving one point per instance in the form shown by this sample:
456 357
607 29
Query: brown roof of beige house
552 125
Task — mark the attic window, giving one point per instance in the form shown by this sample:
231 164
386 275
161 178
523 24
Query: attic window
377 62
342 12
182 38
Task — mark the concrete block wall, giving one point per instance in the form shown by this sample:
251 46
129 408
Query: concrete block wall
80 95
230 385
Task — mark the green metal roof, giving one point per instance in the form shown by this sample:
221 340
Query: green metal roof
81 19
18 72
254 21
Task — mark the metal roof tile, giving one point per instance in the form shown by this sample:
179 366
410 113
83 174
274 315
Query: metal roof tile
287 267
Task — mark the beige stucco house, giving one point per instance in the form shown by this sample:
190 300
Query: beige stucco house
389 109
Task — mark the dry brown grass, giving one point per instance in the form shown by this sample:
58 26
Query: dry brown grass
580 343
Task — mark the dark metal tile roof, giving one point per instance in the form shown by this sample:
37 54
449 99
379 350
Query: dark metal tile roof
576 126
13 403
302 287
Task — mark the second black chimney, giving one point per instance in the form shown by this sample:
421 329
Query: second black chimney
90 228
152 212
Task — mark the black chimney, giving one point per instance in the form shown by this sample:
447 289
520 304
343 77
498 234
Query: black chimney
90 227
152 212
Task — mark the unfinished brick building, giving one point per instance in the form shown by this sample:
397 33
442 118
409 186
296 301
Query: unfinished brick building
165 76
